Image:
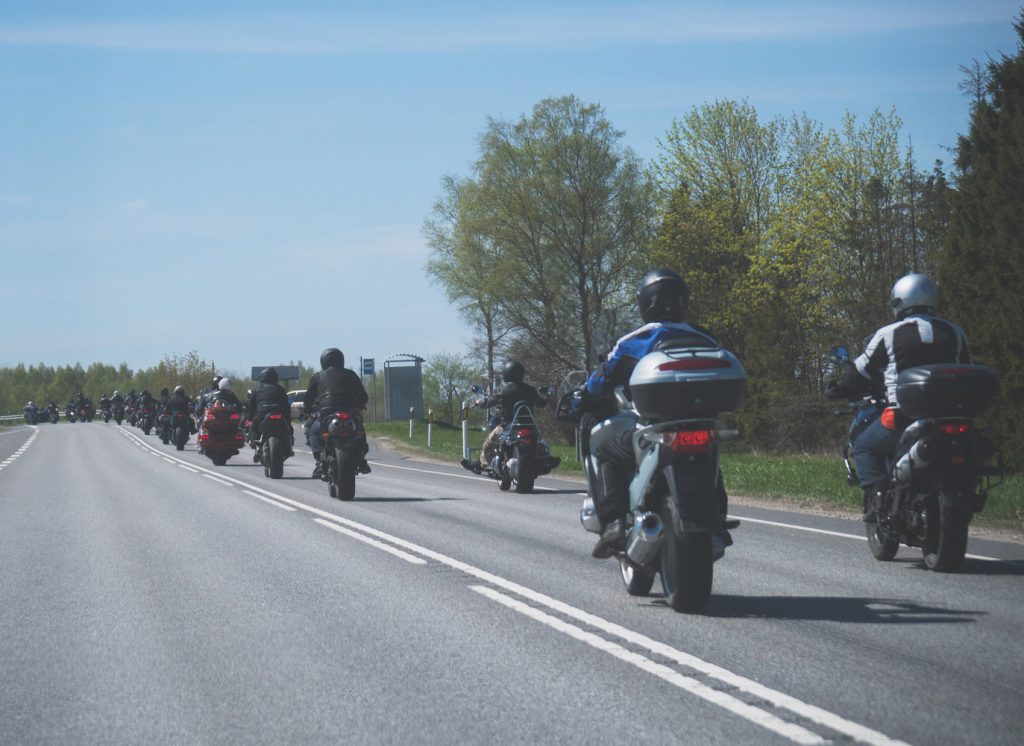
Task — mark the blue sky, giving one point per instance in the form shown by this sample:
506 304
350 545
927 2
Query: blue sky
250 179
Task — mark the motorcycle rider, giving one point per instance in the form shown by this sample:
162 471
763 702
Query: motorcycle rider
268 398
917 337
224 393
663 299
179 403
104 403
131 399
512 392
165 396
117 400
334 388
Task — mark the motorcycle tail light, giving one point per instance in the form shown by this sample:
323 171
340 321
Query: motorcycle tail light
691 441
958 460
954 428
524 433
239 436
889 418
342 415
276 416
325 435
236 416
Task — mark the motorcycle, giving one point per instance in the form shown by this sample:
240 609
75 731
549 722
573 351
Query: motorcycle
70 413
674 527
133 414
344 441
54 414
179 427
938 478
146 419
273 444
522 454
118 413
105 413
220 434
31 415
85 412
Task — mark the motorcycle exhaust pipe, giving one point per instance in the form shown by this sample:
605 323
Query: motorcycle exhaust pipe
644 539
588 517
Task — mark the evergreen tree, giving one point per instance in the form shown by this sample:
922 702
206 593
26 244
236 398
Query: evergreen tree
982 271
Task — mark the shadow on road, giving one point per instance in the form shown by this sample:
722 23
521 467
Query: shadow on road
404 499
980 567
836 609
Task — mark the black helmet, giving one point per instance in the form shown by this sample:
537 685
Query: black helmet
513 372
332 357
269 375
663 296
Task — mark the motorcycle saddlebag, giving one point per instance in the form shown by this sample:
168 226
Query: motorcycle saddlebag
680 383
947 390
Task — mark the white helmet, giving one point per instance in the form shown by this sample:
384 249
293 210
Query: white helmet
913 293
224 384
116 392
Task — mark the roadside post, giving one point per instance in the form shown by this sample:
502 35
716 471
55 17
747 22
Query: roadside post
465 430
412 414
430 428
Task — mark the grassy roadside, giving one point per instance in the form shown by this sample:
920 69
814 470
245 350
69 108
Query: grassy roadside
821 479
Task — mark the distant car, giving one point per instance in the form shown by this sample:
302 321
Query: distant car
295 400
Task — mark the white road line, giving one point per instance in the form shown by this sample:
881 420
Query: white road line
372 542
275 503
218 479
169 461
429 471
792 731
187 468
848 536
813 713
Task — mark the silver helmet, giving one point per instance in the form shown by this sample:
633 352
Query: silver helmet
913 293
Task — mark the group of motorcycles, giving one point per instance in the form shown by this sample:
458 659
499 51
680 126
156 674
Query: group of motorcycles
34 415
939 475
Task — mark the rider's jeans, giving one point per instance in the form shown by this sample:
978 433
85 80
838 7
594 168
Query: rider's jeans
872 448
491 445
313 436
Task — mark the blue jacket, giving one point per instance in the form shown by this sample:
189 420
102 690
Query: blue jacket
629 349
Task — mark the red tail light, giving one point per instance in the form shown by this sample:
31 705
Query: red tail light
692 441
239 436
343 415
524 432
889 418
276 417
236 416
954 428
696 363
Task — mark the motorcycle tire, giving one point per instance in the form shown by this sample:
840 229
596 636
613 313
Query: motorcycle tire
180 438
687 569
218 459
274 458
165 436
882 545
526 474
119 422
345 475
637 583
945 542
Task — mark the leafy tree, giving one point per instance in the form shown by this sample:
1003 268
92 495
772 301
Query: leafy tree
982 269
446 379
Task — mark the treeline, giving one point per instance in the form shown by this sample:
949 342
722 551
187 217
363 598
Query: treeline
790 234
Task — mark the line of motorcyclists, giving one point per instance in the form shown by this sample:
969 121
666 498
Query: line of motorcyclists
646 417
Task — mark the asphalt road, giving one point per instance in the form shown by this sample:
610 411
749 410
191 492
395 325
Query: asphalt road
147 596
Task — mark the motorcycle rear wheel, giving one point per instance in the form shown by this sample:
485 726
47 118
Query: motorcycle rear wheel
275 457
687 569
636 582
525 474
945 543
345 475
180 438
219 459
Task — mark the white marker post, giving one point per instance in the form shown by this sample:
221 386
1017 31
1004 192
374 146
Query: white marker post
430 428
412 413
465 430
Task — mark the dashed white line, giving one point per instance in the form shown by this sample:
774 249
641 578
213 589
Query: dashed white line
218 479
187 468
275 503
412 559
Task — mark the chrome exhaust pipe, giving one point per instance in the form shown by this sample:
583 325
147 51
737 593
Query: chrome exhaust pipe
588 517
644 539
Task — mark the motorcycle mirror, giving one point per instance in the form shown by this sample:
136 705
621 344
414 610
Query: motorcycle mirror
475 389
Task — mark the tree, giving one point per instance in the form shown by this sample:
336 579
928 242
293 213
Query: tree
982 269
446 379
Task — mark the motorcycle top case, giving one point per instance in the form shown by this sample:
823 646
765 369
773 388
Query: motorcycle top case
947 390
680 383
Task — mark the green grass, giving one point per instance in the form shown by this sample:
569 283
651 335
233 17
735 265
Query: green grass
818 478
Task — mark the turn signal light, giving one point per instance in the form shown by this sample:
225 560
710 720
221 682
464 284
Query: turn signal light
889 418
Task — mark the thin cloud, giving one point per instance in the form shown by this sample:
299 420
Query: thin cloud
303 34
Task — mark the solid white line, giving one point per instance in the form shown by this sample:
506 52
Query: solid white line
169 461
218 479
372 542
848 536
757 716
187 468
275 503
429 471
811 712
